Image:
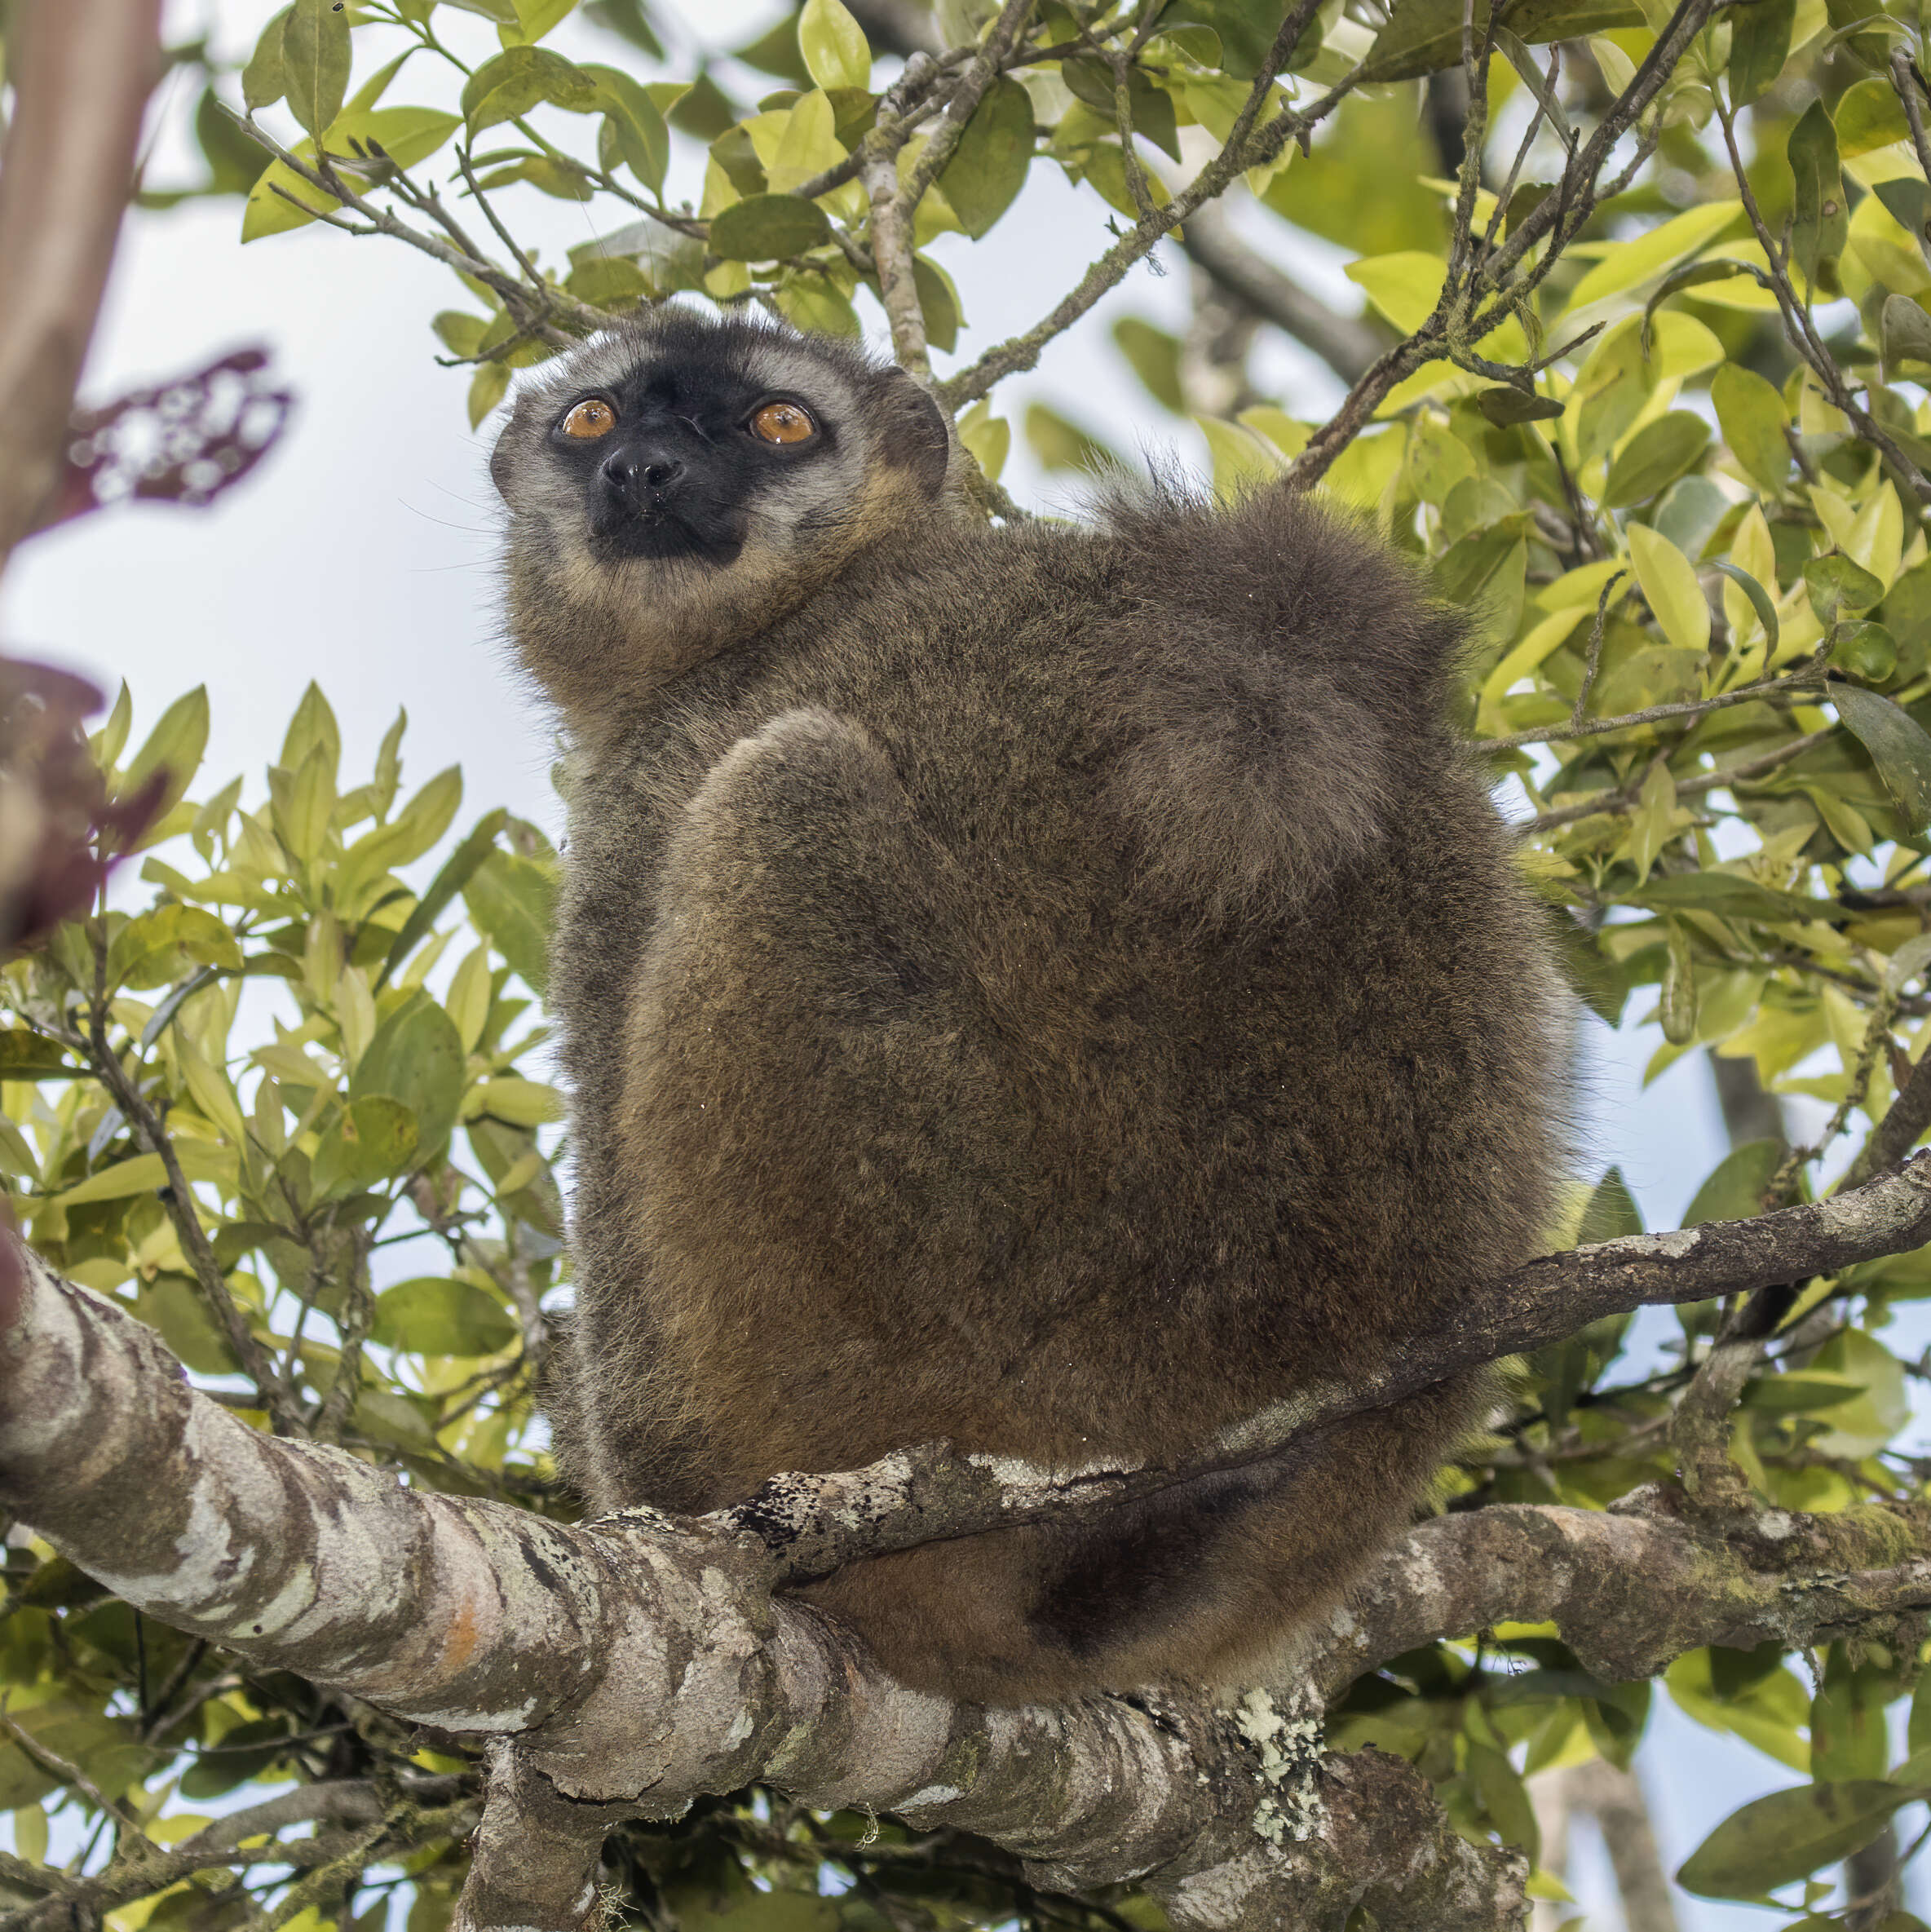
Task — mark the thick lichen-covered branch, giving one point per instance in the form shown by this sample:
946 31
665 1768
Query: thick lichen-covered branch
1633 1587
622 1668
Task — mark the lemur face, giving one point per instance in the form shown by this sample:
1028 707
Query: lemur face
686 481
683 441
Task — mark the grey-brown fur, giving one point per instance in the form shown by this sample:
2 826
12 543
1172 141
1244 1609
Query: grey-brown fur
1060 990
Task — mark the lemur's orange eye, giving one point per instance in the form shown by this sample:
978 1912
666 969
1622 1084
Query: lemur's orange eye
593 417
782 422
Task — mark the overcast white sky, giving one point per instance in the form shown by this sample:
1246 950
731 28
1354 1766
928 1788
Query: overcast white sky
360 553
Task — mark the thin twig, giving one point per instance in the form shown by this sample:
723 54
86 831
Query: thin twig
981 71
1625 799
254 1360
1595 727
1238 152
1595 658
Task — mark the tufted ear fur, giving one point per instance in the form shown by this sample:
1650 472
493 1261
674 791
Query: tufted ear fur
913 432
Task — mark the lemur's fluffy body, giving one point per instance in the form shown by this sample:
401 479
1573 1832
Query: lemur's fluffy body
1063 990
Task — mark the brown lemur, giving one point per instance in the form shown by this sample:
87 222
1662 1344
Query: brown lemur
1064 990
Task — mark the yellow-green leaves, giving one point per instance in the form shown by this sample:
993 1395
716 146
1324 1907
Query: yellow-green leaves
172 753
1628 264
518 78
1759 45
315 61
1669 583
416 1059
514 900
1820 223
833 45
439 1316
1654 457
1755 424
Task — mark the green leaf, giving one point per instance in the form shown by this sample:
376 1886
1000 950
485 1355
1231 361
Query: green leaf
456 872
1425 36
1759 45
1668 581
99 1746
156 949
1654 457
768 228
1864 650
988 168
1820 222
264 80
641 137
1848 1736
373 1140
1837 584
1908 201
517 1102
404 136
1790 1834
416 1058
1154 358
176 747
938 302
1734 1188
1798 1395
518 78
1677 1006
1899 747
1761 600
535 18
1611 1214
431 1316
315 61
514 901
1518 56
836 52
813 303
1505 407
174 1308
245 1752
1904 330
1754 421
314 723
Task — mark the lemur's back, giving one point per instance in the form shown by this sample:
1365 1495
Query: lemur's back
1062 993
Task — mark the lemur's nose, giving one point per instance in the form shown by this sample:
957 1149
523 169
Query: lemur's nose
625 469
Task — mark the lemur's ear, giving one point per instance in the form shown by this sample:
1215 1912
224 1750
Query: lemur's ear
502 463
915 436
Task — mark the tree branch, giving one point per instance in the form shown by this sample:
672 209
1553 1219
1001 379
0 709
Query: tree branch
1348 344
624 1667
1633 1587
82 70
